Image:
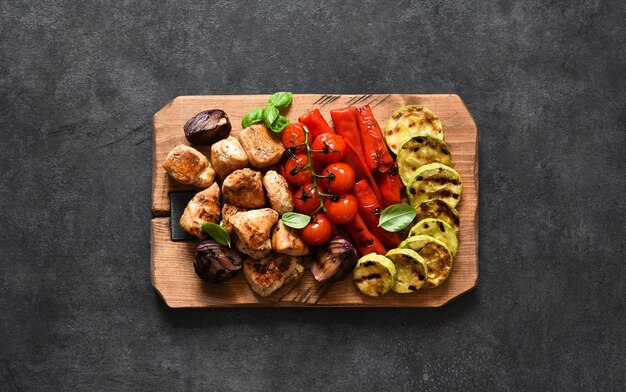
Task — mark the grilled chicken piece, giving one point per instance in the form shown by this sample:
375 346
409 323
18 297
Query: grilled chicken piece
247 250
287 240
229 210
278 193
244 188
253 229
189 166
204 207
263 148
267 275
227 155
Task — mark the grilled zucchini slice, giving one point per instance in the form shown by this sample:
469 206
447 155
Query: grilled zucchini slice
437 256
374 274
437 229
409 121
435 181
411 270
438 209
419 151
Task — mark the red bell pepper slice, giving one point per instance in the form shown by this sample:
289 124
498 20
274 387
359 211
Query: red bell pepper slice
360 169
347 125
375 152
316 124
364 241
369 210
390 186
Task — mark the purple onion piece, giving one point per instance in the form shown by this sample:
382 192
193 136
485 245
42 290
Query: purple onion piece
207 127
335 261
216 263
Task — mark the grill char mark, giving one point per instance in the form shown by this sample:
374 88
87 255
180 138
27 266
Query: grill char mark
368 277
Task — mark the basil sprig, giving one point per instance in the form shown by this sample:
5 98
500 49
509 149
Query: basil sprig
295 220
252 117
280 100
217 232
280 124
396 217
270 115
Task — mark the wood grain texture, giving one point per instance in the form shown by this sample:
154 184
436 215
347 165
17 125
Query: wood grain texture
173 275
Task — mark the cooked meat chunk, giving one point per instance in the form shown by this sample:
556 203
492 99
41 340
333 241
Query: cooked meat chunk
247 250
189 166
262 146
229 210
204 207
227 155
244 188
278 193
205 178
287 240
267 275
253 229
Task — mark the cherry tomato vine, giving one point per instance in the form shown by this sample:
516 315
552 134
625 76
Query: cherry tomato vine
309 166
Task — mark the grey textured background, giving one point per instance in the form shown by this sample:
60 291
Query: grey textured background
80 80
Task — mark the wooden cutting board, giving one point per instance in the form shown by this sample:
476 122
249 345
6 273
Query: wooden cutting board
173 276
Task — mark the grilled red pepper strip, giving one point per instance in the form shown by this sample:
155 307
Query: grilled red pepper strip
363 240
360 169
347 125
390 186
375 152
370 209
316 124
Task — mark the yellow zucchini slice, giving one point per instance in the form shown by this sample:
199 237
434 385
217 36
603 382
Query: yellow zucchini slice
409 121
438 209
437 229
437 256
411 270
374 275
435 181
419 151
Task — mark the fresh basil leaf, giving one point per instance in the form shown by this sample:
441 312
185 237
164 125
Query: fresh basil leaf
295 220
217 232
270 114
280 100
252 117
280 124
396 217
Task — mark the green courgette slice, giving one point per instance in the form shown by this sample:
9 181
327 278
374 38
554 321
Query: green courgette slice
437 255
435 181
374 274
409 121
419 151
411 270
438 209
437 229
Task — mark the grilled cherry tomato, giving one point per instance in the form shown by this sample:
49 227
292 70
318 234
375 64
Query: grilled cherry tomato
329 148
342 209
297 170
341 178
306 200
318 231
293 135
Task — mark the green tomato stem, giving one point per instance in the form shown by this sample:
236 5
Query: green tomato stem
329 195
310 164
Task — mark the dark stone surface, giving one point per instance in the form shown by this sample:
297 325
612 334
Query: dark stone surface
80 80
